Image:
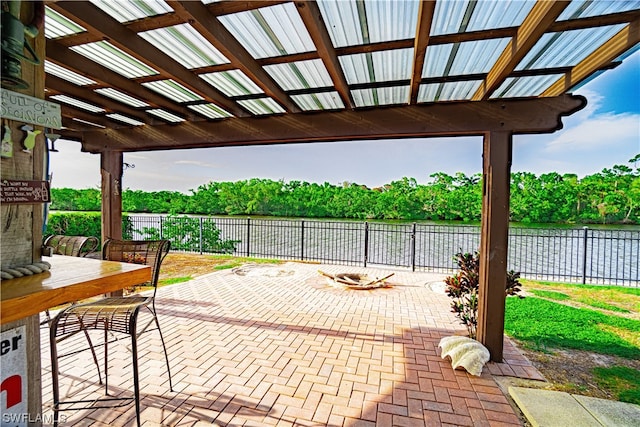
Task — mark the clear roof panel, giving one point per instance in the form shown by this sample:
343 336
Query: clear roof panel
450 91
165 115
353 23
75 119
462 58
210 111
232 83
107 55
126 11
78 103
124 119
262 106
173 90
300 75
270 31
57 25
381 66
586 8
186 45
451 17
319 101
381 96
121 97
68 75
566 48
525 86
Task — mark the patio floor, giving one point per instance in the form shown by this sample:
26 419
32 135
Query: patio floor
279 345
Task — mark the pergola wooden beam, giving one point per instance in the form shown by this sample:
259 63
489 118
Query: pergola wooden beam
624 40
423 29
531 115
67 58
217 34
93 18
542 16
312 18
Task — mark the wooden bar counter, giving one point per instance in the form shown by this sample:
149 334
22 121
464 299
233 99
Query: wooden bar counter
70 279
22 300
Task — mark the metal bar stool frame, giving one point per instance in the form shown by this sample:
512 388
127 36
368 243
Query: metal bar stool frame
112 314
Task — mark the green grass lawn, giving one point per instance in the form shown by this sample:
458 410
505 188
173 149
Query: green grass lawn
599 319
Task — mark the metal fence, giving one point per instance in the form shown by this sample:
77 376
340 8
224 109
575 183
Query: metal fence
582 255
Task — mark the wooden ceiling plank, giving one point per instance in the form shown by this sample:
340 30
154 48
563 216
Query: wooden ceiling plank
621 42
78 113
234 6
312 18
532 115
423 29
212 29
82 65
92 17
542 16
595 21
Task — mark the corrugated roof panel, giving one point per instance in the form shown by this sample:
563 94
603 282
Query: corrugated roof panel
125 11
270 31
514 87
586 8
462 58
354 23
173 90
319 101
68 75
450 91
451 17
121 97
211 111
232 83
262 106
75 119
57 25
107 55
124 119
300 75
566 48
78 103
342 22
186 45
381 66
165 115
381 96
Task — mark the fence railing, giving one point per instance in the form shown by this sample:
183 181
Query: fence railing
583 255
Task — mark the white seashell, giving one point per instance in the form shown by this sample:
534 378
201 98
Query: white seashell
465 352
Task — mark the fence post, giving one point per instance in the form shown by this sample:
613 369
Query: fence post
161 233
248 234
366 242
200 239
584 255
302 240
413 247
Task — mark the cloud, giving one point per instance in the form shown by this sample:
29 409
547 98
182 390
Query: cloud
598 132
196 163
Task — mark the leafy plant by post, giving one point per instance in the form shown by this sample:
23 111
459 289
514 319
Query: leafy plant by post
463 287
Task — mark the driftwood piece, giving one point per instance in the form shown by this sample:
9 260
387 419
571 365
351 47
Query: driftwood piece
347 279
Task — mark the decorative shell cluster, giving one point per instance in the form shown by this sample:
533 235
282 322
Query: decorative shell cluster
25 270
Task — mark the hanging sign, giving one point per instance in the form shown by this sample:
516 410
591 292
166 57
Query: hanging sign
27 109
18 191
13 377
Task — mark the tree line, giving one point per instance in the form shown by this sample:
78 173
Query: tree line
608 197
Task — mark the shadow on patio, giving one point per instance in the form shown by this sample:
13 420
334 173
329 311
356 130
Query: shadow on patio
281 346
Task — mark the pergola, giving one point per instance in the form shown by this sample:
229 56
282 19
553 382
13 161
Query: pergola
162 75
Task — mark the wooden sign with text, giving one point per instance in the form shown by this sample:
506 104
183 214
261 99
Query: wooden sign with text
19 191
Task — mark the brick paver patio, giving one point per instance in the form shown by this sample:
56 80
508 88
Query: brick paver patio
278 345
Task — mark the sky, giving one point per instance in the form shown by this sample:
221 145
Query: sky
605 133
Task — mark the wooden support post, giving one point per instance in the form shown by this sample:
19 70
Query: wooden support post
111 171
494 241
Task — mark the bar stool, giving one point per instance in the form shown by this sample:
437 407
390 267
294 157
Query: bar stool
113 314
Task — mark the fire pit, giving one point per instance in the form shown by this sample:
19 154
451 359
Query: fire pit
356 280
